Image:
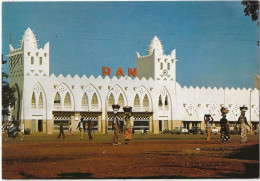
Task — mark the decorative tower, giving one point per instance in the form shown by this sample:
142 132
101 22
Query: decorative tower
25 63
156 65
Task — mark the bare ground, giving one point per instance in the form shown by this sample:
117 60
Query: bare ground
142 159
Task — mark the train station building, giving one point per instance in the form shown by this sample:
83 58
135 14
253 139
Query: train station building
159 102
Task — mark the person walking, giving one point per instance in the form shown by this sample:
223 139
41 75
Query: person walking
116 128
70 130
128 127
81 128
242 122
225 129
61 132
208 120
90 126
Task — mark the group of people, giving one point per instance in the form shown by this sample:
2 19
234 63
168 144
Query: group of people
225 128
119 129
82 128
127 128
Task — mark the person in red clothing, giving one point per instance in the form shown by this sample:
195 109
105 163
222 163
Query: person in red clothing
90 126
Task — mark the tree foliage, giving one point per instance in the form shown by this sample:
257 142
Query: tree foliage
251 9
8 97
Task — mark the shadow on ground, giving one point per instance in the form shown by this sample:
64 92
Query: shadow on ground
79 175
251 171
247 153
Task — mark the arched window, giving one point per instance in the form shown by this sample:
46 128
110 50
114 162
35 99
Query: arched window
121 100
84 101
146 103
94 99
137 101
33 102
67 101
40 101
166 103
57 104
94 102
160 101
111 100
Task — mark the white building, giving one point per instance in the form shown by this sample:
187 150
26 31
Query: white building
158 101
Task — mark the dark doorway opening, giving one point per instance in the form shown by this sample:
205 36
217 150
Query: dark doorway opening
186 125
40 127
160 125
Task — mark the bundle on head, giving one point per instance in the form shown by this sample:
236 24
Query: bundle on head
127 109
243 108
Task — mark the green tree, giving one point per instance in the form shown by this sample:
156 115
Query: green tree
8 97
252 9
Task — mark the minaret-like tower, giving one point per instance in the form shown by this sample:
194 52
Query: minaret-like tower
25 63
156 65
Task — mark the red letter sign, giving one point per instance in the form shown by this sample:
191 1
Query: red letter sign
131 72
106 71
120 72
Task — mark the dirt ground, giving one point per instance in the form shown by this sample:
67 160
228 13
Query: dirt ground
149 157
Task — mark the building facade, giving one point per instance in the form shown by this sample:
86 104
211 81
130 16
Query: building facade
159 102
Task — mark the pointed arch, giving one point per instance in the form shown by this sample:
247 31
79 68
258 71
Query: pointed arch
119 97
94 102
94 99
136 103
40 96
166 103
146 105
67 101
160 101
33 101
120 100
57 101
111 100
40 101
144 93
84 101
63 90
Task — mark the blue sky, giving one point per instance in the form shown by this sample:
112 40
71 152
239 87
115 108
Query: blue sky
215 42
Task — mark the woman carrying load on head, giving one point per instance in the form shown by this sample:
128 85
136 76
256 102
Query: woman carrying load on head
128 126
208 120
242 121
225 129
